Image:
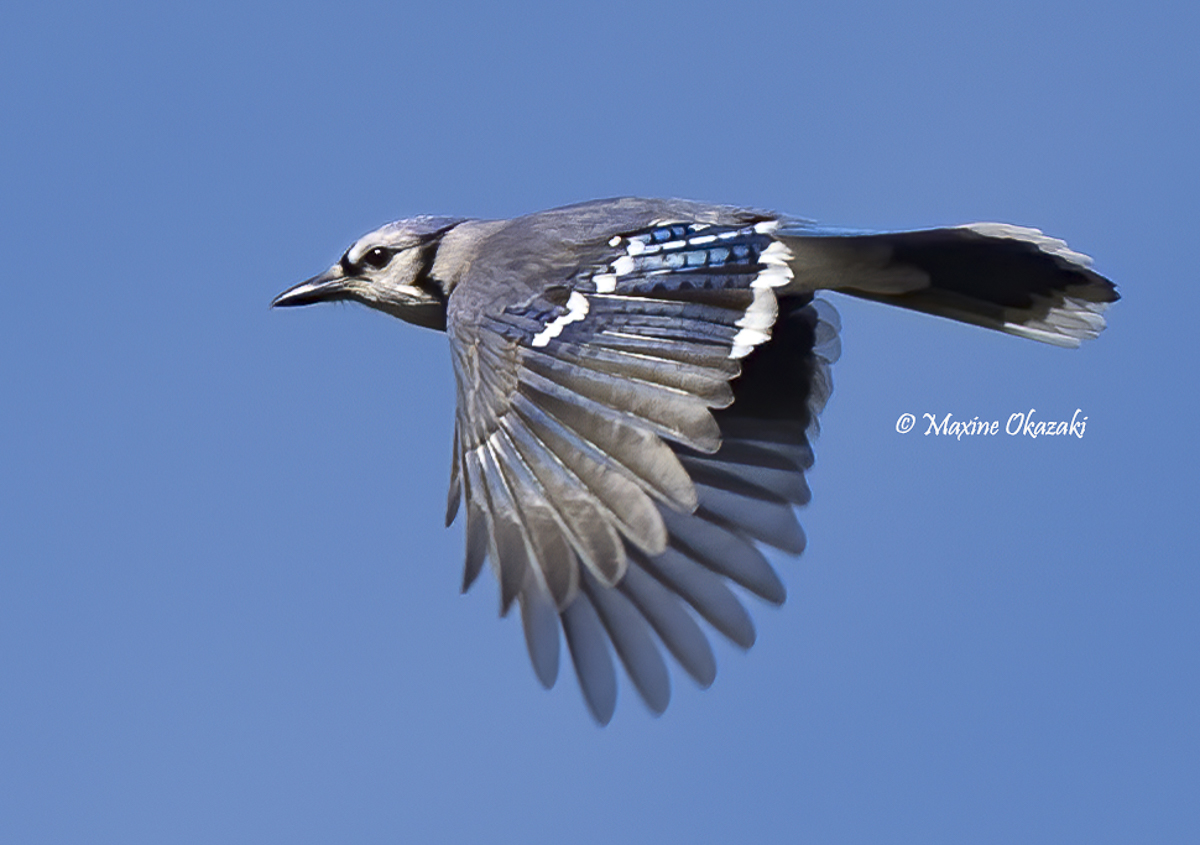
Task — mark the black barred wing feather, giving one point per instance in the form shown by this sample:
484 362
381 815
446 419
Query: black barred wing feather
627 439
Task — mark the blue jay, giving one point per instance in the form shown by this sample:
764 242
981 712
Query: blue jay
638 381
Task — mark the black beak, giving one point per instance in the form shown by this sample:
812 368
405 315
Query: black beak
329 286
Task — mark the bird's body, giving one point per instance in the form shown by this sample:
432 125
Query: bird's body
637 383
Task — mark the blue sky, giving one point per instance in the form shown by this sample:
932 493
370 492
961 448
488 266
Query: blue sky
228 609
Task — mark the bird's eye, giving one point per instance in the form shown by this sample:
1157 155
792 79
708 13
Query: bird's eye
377 258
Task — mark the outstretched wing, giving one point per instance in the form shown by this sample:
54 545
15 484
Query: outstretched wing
625 439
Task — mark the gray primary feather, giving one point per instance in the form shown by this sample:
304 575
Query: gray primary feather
638 383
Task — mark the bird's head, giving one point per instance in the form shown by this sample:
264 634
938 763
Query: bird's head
389 270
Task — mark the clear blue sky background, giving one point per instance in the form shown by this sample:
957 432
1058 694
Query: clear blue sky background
228 609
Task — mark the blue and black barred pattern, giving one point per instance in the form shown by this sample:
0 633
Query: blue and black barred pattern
638 384
630 450
688 256
689 282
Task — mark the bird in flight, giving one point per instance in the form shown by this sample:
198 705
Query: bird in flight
638 382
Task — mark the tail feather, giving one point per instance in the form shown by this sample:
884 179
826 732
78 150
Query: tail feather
995 275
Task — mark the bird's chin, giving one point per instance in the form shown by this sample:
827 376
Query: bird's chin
430 315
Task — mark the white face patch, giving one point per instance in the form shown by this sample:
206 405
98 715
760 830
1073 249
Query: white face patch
577 309
360 247
390 237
